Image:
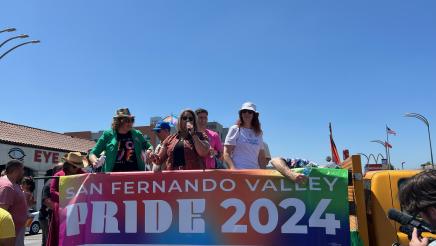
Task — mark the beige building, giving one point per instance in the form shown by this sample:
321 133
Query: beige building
39 149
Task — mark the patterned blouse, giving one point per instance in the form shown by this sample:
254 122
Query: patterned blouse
192 159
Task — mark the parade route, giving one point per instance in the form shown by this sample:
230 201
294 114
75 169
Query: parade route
33 240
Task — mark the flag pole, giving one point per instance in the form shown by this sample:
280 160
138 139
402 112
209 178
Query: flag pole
388 153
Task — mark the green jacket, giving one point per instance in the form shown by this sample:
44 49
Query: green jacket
108 142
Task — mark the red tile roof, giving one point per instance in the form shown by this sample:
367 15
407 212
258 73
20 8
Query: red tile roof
11 133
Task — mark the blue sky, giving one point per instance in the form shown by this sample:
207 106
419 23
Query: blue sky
357 64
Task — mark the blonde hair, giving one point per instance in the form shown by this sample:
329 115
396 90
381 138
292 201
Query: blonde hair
118 121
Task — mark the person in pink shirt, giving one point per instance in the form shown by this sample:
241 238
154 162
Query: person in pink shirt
12 198
73 163
216 147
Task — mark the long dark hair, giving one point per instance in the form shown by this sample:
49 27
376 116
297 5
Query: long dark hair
180 119
29 181
255 123
419 193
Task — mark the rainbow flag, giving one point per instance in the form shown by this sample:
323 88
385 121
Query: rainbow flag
197 207
171 119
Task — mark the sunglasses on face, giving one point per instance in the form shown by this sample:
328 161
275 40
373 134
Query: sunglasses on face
157 131
244 111
129 120
187 118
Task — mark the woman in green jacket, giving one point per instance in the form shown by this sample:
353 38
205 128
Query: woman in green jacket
123 145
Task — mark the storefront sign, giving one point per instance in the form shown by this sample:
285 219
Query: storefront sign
34 158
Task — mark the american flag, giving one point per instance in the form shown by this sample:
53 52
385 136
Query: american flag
390 131
388 145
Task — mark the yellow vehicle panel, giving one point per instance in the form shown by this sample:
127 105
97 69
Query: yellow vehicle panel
384 186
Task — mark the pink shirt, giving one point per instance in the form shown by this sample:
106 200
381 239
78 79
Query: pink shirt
13 196
215 143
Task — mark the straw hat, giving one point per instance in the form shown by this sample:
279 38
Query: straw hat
76 159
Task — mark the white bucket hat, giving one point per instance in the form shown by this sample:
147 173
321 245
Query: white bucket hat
248 106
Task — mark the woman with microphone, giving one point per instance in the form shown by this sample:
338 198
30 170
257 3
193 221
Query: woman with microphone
185 149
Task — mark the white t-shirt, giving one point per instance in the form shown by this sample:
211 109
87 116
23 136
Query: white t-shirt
247 147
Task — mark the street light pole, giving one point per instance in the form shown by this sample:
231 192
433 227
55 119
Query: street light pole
8 30
19 36
423 119
13 48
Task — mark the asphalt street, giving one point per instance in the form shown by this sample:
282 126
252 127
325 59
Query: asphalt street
33 240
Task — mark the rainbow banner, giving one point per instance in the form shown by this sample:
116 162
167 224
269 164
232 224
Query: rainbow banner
212 207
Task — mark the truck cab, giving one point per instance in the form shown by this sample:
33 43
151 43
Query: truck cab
381 194
370 196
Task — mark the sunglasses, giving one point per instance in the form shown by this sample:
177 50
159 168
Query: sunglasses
246 111
186 118
129 120
157 131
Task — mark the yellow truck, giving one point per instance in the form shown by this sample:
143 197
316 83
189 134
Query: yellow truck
370 197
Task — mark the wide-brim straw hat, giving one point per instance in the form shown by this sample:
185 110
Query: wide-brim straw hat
76 159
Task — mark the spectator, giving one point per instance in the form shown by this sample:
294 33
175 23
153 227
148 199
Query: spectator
28 186
243 147
123 145
162 131
73 164
216 148
186 148
7 232
418 197
12 197
45 211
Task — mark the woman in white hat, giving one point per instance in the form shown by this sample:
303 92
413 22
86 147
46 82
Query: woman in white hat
243 147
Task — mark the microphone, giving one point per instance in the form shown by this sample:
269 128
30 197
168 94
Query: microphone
406 219
189 127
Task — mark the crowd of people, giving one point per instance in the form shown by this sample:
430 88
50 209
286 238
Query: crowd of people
14 199
122 149
192 146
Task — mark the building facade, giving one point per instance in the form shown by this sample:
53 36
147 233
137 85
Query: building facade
38 149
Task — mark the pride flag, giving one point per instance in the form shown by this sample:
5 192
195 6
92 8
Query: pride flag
211 207
171 119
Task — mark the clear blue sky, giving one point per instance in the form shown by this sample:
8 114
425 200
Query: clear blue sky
357 64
